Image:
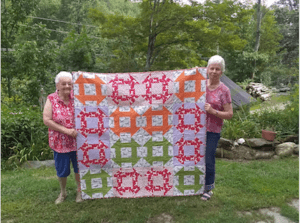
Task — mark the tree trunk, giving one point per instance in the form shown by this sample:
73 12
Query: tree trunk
291 5
257 40
9 76
151 43
256 47
151 40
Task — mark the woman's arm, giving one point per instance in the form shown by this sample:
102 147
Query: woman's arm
226 114
47 118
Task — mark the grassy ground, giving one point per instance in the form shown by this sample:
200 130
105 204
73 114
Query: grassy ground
29 195
273 101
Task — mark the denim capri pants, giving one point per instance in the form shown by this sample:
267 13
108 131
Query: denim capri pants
210 161
62 163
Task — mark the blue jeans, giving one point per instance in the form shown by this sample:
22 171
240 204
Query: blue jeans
211 147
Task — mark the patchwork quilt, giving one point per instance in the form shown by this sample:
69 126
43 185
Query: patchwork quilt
141 134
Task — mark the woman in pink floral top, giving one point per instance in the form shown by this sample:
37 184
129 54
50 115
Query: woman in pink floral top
218 107
59 117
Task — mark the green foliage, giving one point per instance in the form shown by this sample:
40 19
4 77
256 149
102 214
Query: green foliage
227 18
241 64
34 63
169 36
277 74
241 126
285 122
244 83
295 95
270 34
13 14
118 7
245 125
76 52
24 135
287 17
150 35
246 63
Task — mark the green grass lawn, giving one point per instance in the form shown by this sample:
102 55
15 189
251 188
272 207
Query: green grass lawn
29 195
273 101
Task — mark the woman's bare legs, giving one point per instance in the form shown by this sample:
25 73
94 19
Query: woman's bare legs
78 195
63 193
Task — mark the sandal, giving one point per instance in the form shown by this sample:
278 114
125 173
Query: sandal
207 195
78 197
60 198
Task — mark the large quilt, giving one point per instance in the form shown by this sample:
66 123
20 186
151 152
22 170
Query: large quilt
141 134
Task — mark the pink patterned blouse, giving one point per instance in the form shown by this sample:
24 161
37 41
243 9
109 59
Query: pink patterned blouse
216 98
64 115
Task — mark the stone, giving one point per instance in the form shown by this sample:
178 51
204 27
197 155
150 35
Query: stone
294 203
292 138
223 153
241 141
276 157
243 152
264 154
225 143
260 142
285 149
284 89
235 144
296 149
219 153
265 148
275 212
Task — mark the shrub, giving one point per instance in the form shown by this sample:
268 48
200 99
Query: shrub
24 135
240 126
245 125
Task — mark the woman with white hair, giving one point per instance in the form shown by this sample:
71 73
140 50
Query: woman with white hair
218 107
58 115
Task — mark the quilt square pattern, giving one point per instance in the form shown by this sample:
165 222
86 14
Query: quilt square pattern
141 134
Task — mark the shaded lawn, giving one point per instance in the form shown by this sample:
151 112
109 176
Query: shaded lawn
29 195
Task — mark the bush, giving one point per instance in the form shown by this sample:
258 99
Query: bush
241 126
245 125
24 135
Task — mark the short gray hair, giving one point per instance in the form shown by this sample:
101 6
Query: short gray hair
216 59
62 74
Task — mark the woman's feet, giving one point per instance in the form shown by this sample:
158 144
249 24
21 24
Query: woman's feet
61 198
78 197
207 195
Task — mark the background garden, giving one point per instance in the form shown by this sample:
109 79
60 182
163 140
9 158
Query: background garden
39 38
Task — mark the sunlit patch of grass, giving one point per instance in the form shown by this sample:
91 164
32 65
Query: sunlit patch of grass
273 101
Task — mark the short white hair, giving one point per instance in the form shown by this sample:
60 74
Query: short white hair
62 74
216 59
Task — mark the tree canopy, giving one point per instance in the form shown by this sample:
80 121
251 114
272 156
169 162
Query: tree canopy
40 38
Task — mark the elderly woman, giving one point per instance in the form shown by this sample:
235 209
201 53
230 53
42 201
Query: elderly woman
59 117
218 107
